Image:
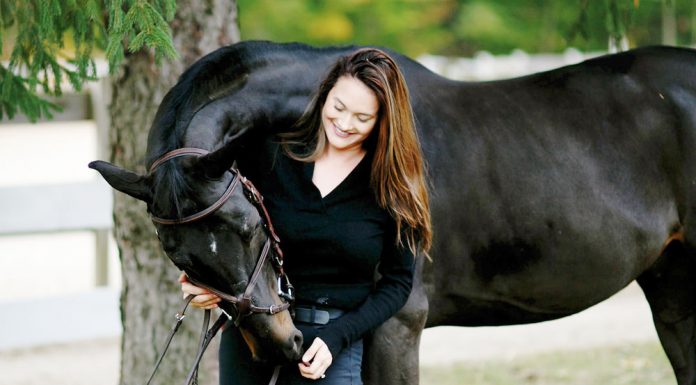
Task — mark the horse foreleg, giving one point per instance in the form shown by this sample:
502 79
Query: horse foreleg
391 352
670 287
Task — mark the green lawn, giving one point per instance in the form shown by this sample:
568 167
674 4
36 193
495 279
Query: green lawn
635 364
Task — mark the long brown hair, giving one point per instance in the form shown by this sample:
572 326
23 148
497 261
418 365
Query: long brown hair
397 174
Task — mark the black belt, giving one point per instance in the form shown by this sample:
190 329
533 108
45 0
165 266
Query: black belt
312 315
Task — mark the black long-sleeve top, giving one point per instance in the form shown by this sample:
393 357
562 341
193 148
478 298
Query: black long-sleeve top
332 244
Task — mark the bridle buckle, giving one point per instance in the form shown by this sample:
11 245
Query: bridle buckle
229 317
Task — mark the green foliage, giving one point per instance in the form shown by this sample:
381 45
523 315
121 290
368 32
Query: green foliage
463 27
140 23
390 23
55 40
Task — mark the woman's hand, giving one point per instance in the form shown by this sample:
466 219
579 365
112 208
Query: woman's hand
203 298
316 360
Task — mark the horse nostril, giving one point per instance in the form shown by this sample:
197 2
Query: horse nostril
294 351
298 339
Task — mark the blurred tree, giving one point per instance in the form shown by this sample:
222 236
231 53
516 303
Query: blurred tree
463 27
56 39
50 41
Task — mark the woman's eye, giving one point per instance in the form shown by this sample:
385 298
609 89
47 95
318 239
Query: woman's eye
338 108
363 120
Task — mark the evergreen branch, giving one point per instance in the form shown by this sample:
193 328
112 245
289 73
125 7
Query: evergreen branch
142 25
619 17
167 8
7 11
16 95
39 58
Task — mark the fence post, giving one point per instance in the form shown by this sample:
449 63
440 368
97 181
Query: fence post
101 273
100 96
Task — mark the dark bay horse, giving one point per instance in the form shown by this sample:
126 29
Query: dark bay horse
550 192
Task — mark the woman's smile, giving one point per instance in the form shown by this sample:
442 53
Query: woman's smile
340 132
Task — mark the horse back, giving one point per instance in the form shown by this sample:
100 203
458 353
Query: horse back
542 181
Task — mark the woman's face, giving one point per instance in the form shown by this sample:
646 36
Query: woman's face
349 114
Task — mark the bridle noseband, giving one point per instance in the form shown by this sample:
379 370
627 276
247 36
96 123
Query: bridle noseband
243 304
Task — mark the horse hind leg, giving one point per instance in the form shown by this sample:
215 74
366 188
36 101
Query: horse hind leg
670 288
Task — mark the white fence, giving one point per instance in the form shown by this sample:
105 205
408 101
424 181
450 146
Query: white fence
84 205
485 66
60 277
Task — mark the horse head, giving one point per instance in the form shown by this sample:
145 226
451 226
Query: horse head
211 228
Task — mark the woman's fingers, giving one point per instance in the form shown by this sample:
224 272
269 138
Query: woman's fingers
204 301
189 288
316 360
312 351
203 298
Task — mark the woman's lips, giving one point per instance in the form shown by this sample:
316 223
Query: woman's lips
339 133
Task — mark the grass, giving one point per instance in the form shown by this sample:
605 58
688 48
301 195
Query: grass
635 364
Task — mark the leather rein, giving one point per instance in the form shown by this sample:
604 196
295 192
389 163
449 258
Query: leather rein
242 304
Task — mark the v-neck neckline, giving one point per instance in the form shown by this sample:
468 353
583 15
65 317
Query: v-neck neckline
309 174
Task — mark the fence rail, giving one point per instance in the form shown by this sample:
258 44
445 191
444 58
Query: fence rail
51 208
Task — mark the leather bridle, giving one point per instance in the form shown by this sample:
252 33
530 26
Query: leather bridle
242 304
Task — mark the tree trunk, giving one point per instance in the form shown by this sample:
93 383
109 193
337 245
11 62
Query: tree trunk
669 22
151 295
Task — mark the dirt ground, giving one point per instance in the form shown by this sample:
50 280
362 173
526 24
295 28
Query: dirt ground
623 318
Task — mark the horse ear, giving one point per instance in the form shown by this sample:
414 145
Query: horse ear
217 162
123 180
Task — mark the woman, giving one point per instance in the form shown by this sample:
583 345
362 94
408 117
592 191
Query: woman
346 191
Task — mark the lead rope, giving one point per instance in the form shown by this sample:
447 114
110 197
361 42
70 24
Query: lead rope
276 374
206 337
209 335
201 340
179 319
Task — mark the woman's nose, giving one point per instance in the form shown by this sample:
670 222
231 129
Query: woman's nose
344 122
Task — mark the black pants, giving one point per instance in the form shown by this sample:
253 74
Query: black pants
237 367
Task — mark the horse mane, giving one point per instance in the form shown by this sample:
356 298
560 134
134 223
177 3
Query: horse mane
210 78
214 76
201 84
